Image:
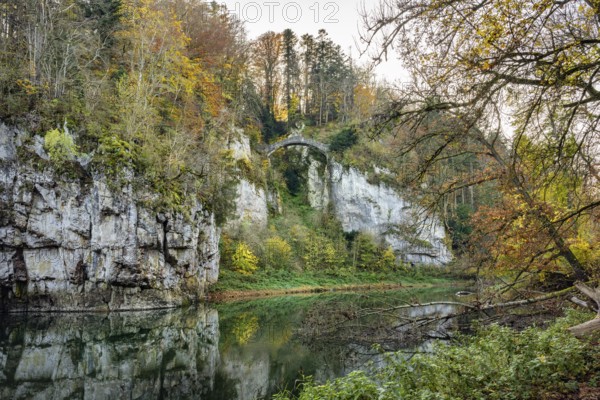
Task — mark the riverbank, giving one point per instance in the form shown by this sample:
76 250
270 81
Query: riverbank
233 285
495 363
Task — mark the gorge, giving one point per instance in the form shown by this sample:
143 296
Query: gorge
83 244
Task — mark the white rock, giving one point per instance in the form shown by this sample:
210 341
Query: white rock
250 207
318 185
95 246
239 144
378 209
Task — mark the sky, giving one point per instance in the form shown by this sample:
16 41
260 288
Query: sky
340 18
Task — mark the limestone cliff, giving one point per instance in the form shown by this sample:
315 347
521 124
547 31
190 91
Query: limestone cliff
415 236
251 200
78 244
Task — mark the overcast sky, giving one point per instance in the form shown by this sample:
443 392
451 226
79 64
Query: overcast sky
340 18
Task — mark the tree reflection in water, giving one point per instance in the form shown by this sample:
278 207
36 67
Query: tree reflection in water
243 350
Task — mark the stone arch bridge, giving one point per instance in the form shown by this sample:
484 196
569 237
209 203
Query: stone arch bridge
295 140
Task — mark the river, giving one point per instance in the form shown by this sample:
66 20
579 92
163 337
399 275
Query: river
241 350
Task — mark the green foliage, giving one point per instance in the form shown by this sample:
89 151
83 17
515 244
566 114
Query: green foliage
252 170
142 86
343 140
365 251
343 278
387 260
459 225
320 253
115 155
60 146
243 259
496 363
357 386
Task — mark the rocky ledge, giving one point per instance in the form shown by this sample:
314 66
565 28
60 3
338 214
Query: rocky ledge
78 244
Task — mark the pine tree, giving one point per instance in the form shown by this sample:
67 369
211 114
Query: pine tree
291 72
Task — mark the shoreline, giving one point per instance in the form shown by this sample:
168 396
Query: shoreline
236 295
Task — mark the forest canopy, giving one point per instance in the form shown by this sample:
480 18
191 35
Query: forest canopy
156 86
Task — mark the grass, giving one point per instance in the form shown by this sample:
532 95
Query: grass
233 284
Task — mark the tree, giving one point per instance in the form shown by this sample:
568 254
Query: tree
365 251
291 73
51 50
387 260
308 61
475 62
219 44
267 50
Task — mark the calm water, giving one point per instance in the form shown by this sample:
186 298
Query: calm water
242 350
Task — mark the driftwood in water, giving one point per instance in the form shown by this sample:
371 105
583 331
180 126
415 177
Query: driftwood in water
582 330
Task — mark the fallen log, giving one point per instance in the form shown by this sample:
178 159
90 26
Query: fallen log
586 329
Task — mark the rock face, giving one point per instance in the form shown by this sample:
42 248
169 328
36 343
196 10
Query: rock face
318 184
251 206
66 244
378 209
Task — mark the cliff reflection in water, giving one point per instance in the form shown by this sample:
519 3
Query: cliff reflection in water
133 355
234 351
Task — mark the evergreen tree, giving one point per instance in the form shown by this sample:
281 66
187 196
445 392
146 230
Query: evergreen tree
291 72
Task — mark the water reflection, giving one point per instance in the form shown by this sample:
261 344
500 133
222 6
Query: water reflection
232 351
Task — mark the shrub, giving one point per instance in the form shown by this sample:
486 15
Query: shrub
60 146
278 253
365 251
496 363
343 140
243 260
387 260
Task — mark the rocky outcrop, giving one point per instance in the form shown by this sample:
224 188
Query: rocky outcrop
318 184
361 206
79 244
251 206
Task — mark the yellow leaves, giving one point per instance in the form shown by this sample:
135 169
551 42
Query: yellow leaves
243 259
586 245
27 86
245 327
364 100
278 253
387 261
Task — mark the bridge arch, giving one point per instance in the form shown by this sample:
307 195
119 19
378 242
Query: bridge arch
296 140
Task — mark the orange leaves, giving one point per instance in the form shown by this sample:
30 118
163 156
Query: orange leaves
515 238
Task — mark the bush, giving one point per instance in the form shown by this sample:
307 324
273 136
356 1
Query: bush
244 261
343 140
497 363
60 146
278 253
387 260
365 251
